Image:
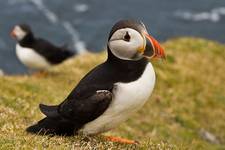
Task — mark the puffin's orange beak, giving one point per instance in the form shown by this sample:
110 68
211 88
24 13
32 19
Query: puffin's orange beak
13 34
153 48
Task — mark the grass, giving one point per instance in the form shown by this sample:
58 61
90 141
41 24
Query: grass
187 103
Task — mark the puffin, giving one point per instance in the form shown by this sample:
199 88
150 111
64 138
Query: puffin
37 53
111 92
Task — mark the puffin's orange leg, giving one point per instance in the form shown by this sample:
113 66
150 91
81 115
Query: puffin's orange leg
120 140
40 74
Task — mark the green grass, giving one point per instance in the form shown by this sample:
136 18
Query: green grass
189 97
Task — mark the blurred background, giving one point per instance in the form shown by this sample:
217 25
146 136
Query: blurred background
85 24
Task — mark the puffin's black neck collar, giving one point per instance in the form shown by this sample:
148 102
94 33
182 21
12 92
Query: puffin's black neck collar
124 63
27 40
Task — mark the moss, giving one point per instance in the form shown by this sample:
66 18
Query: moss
189 96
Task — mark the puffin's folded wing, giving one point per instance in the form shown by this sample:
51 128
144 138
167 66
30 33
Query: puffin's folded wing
86 110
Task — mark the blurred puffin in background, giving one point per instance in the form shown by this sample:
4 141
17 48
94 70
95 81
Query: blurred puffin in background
110 92
37 53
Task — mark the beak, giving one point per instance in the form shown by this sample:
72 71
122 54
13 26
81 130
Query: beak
12 34
153 48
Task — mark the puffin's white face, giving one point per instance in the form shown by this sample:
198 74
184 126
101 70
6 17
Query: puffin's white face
18 33
126 43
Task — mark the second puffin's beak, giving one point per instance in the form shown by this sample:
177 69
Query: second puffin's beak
12 34
153 48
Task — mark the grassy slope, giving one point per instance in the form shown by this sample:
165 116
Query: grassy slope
189 97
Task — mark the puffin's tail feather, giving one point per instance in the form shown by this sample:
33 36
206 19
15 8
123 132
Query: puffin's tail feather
52 126
49 111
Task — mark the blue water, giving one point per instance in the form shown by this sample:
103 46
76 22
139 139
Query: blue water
85 24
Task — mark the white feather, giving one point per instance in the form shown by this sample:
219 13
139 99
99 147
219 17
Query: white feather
30 58
128 98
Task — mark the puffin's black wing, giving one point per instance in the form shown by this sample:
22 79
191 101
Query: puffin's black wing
86 109
68 118
52 53
81 110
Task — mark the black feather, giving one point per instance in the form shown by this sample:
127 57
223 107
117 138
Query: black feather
67 119
49 111
53 126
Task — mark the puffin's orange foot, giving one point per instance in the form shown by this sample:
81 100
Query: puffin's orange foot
120 140
40 74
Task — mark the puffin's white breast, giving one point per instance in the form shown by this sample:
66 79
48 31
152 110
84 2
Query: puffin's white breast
128 98
30 58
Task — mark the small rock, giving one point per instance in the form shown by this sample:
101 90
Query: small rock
209 136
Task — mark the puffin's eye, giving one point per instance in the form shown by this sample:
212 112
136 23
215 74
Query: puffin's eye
126 37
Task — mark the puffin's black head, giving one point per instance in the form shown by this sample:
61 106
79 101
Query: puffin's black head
129 40
21 31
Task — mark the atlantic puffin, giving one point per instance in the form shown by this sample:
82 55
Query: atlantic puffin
36 53
112 91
